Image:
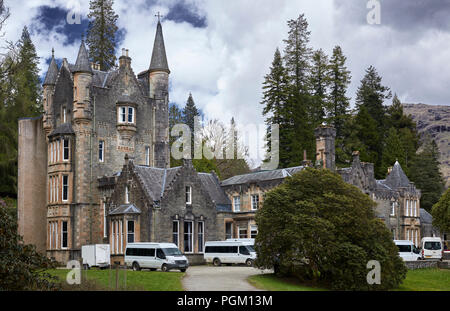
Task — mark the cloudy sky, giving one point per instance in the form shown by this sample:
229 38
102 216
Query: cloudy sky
221 50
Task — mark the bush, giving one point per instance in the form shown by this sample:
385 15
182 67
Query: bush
320 229
21 267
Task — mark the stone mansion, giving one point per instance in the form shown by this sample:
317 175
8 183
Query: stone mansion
94 169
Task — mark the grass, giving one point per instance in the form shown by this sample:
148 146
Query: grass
416 280
135 280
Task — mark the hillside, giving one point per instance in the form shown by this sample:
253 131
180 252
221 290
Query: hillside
434 121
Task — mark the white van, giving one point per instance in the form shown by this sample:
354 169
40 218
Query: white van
431 248
229 252
95 255
164 256
249 242
407 250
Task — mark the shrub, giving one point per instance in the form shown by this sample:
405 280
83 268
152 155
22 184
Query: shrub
318 228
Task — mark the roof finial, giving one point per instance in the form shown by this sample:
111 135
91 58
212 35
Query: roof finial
159 16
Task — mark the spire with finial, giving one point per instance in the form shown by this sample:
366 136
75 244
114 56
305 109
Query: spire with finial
52 72
82 63
159 58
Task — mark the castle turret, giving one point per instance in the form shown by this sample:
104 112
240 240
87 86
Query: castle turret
159 91
49 89
325 149
82 79
159 68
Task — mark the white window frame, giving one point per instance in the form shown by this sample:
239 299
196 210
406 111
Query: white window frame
67 187
237 207
252 205
392 208
130 111
415 208
202 234
64 232
57 150
231 231
239 232
147 155
101 151
127 195
64 115
64 149
251 230
190 234
134 230
124 113
188 194
407 207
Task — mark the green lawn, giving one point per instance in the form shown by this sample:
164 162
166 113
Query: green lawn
416 280
135 280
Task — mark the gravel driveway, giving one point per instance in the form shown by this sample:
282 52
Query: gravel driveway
224 278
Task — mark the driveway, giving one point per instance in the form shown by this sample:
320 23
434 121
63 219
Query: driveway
224 278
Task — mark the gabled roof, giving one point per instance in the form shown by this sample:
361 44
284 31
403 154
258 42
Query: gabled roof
397 178
159 58
212 187
125 209
155 180
82 64
52 72
261 176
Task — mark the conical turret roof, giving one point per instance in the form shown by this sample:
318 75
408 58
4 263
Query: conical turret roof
159 58
397 178
82 63
52 72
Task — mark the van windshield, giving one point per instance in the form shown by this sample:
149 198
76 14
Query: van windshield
172 252
434 246
251 248
404 248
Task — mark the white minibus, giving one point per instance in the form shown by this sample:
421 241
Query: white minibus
229 252
407 251
431 248
164 256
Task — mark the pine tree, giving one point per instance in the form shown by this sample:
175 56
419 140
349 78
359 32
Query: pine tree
319 83
275 107
426 175
297 56
372 94
101 33
368 135
175 117
338 101
441 213
393 151
190 112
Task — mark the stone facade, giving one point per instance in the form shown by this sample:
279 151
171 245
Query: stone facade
91 120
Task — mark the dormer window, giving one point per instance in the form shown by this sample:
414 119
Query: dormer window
126 114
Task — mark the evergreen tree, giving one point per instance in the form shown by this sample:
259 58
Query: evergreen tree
101 33
297 55
426 175
441 213
175 117
369 138
371 94
275 107
190 112
338 101
319 83
393 151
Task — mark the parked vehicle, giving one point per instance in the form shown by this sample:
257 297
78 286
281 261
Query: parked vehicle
407 250
164 256
96 255
431 248
229 252
249 242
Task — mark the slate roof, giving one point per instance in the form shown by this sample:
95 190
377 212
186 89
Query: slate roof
65 128
159 58
215 192
125 209
82 64
381 184
261 176
425 217
155 180
397 177
52 72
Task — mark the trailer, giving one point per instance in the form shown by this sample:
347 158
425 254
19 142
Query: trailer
96 255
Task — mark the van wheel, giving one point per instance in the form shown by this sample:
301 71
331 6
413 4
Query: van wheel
164 268
216 262
183 270
249 263
136 266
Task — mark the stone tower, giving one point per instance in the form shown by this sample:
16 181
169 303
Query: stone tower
158 76
325 146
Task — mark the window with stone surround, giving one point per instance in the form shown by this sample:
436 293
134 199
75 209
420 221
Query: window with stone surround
237 203
188 237
201 235
66 150
101 151
175 232
64 234
255 201
126 114
130 233
253 231
392 208
188 195
243 232
228 230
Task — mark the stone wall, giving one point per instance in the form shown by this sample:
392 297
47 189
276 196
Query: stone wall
32 180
